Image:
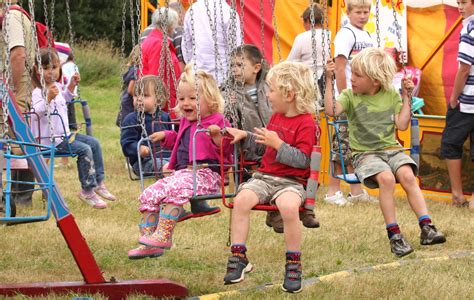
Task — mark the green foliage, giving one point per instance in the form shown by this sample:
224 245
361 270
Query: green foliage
99 63
91 20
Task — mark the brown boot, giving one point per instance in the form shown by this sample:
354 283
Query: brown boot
308 218
275 221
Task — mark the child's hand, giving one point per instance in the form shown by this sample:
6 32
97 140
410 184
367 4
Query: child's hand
144 151
53 91
237 134
268 138
74 81
330 68
157 136
407 87
214 130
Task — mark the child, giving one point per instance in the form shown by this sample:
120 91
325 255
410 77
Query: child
90 163
154 95
349 41
128 79
174 191
253 111
288 140
374 108
460 114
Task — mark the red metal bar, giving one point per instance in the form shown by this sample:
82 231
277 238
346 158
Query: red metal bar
159 288
80 250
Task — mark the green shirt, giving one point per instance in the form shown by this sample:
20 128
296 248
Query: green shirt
371 119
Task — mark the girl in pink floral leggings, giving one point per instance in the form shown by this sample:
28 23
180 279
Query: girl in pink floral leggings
172 192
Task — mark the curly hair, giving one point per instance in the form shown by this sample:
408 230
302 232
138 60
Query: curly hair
207 87
297 77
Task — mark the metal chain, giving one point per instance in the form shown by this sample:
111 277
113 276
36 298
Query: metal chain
399 39
196 85
71 44
262 27
275 27
314 55
40 67
28 66
132 22
122 57
8 72
377 21
141 87
213 25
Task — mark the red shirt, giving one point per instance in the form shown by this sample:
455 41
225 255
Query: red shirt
151 54
298 132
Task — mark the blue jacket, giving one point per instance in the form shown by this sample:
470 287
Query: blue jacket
131 132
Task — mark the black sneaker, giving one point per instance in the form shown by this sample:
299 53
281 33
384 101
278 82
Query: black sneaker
431 236
200 208
237 266
399 246
293 274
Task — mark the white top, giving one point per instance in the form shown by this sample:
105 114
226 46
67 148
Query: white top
205 57
466 55
39 107
69 69
348 42
302 50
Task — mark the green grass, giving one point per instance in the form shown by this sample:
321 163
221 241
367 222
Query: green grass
349 237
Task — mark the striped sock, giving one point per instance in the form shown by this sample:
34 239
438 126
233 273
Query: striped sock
392 229
238 249
293 255
424 220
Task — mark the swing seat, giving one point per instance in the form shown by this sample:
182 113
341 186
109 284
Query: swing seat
350 178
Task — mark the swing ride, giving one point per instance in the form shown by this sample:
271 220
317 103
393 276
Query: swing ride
34 151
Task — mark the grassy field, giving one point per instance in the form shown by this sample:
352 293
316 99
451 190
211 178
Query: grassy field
349 238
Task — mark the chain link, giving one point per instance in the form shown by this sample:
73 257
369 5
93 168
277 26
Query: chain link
275 27
377 21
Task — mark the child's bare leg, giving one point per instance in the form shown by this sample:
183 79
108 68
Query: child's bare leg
454 171
243 204
415 197
288 204
386 182
334 184
171 209
471 202
356 189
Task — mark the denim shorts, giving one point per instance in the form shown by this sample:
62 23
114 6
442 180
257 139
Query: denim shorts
459 126
372 163
268 187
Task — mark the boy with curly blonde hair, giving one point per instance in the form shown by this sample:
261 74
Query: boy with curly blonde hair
287 141
374 109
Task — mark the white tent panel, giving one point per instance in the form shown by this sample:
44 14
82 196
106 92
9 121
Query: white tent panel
426 3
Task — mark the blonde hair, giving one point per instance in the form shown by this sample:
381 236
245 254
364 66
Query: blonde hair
296 77
134 57
376 64
207 85
351 4
149 84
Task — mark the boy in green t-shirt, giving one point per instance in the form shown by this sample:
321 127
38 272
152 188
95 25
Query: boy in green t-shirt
374 109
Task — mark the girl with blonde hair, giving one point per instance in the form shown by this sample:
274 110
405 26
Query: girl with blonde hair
199 110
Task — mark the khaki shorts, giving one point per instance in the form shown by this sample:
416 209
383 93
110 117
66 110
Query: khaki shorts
372 163
268 187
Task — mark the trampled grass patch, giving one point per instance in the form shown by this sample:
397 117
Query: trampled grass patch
349 237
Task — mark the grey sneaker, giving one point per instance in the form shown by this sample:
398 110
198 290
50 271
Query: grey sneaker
431 236
293 274
237 266
399 245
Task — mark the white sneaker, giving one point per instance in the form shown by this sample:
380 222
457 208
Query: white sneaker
337 198
363 197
